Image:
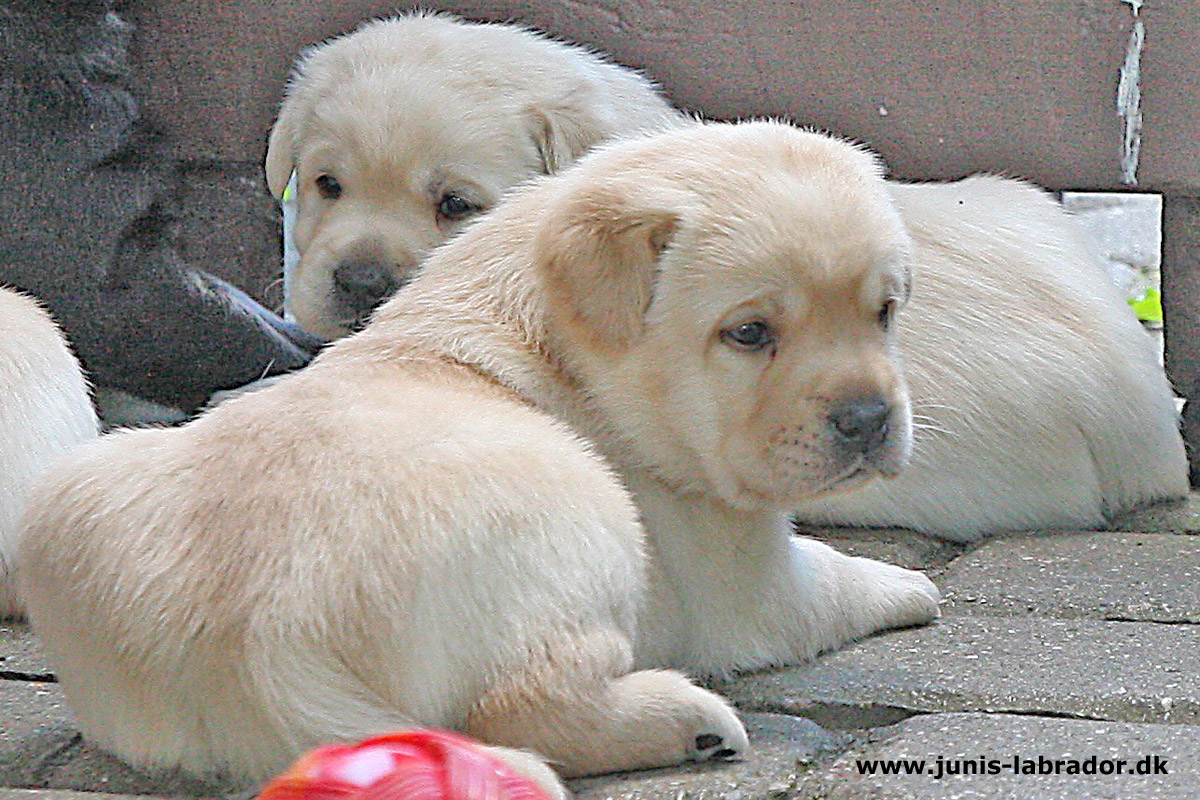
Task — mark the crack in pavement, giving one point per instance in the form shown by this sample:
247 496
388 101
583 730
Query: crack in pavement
30 677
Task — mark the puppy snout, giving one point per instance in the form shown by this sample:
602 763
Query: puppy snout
360 285
862 423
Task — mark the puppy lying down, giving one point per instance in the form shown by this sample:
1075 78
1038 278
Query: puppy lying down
428 526
44 411
1040 402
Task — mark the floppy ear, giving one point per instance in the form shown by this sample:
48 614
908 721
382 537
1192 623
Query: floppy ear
281 148
598 255
563 131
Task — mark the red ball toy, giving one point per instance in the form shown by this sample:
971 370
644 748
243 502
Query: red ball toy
410 765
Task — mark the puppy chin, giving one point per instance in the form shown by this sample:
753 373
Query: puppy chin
770 487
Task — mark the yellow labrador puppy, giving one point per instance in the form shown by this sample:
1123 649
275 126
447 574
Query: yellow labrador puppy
402 131
44 411
1040 402
418 529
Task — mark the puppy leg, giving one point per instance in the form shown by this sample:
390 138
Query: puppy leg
579 706
859 596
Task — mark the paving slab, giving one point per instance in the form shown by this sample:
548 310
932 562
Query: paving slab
41 748
782 750
21 656
1132 672
1115 576
1035 742
1177 516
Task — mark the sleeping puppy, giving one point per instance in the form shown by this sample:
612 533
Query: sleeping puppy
44 412
418 529
405 129
1040 401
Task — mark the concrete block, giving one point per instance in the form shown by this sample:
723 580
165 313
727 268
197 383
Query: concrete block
1114 576
1181 310
1135 672
41 748
21 656
969 737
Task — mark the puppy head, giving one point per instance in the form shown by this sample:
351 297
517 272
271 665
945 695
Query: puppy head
726 296
402 132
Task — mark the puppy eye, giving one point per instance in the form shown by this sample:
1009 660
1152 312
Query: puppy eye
887 313
749 336
328 187
453 207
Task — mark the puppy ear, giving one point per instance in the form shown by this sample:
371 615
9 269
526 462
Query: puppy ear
562 132
281 148
598 255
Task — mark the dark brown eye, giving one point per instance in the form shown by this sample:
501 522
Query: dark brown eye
749 336
328 187
454 207
886 313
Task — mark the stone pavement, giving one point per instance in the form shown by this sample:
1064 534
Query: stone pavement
1061 658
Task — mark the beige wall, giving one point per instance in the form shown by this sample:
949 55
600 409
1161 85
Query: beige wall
941 89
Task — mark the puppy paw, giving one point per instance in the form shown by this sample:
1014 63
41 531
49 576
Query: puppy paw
713 747
713 731
904 597
673 720
860 596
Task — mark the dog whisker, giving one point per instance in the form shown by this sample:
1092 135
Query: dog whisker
927 432
925 405
925 424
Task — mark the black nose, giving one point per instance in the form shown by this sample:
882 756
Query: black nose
362 285
862 422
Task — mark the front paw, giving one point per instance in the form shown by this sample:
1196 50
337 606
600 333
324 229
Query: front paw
901 597
862 596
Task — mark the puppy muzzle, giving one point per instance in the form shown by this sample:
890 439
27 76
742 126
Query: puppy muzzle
865 438
360 286
861 425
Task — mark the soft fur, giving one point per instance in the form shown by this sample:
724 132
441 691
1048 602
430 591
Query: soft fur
1040 403
412 530
44 411
406 112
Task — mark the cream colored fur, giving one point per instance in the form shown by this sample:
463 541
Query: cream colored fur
1039 398
1040 403
44 411
405 111
415 530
